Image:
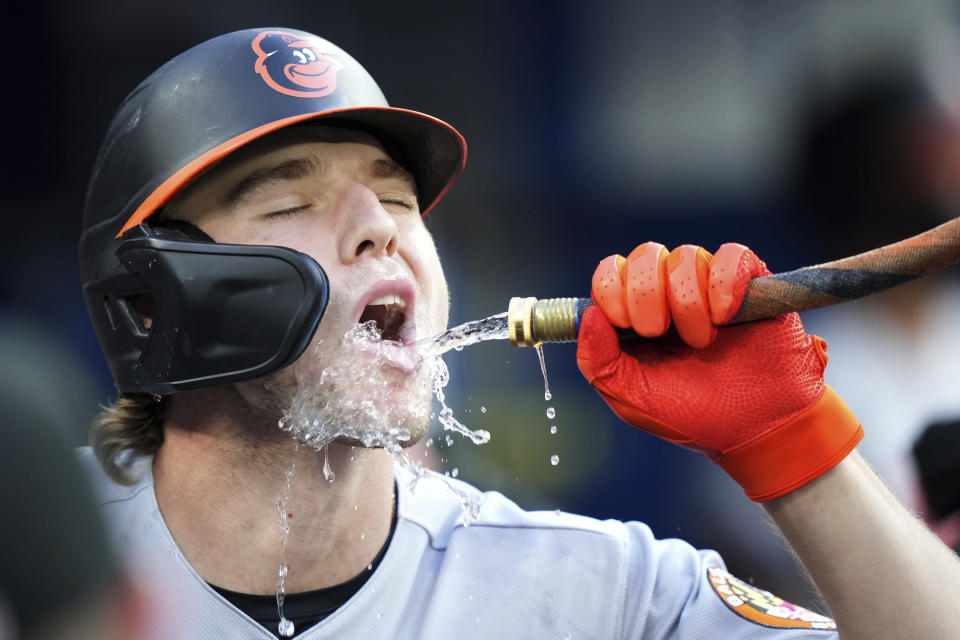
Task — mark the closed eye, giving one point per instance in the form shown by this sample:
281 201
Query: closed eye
407 202
287 212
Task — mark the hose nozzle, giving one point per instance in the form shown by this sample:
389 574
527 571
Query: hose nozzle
531 321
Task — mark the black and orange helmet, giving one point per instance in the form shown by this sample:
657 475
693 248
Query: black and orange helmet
222 313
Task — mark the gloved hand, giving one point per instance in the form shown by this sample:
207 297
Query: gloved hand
750 397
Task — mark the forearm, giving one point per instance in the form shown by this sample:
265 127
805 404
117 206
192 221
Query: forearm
881 572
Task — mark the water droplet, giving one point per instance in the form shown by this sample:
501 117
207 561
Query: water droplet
157 397
356 507
370 567
551 413
379 615
455 472
328 473
543 368
285 628
553 428
457 555
554 459
449 441
483 409
363 537
283 571
429 442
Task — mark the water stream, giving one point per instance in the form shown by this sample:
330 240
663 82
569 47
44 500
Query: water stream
285 626
466 334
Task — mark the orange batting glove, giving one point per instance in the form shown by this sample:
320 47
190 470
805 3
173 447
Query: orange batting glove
750 397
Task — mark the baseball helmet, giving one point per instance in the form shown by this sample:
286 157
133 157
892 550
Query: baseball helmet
221 313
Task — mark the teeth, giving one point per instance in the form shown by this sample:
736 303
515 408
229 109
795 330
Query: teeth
390 299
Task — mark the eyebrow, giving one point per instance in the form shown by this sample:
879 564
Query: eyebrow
387 168
298 168
288 171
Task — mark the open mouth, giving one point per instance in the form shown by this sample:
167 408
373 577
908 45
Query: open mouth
389 313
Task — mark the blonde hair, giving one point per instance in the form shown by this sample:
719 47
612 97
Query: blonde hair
132 425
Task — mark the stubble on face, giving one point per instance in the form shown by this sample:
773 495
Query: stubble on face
339 392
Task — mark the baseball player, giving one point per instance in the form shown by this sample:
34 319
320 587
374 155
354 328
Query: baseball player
254 201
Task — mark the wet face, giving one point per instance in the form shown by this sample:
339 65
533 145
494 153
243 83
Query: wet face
336 195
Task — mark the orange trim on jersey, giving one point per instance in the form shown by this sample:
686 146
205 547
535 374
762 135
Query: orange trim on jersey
185 174
796 453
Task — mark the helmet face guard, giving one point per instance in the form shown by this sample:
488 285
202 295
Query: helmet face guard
224 313
219 313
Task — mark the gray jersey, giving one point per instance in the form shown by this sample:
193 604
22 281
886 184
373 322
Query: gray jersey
509 574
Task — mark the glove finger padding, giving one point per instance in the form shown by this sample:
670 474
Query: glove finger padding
695 289
753 400
687 269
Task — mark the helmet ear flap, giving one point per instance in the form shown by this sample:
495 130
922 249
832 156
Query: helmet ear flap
188 312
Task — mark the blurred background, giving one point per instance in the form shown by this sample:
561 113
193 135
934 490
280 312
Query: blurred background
807 130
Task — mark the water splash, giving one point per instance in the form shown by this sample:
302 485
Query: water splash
446 417
356 398
470 502
351 393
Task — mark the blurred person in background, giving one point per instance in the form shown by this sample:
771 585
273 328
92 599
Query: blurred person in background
59 576
878 161
936 454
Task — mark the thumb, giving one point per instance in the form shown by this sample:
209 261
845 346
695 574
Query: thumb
597 345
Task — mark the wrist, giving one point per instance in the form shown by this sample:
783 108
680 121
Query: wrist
797 452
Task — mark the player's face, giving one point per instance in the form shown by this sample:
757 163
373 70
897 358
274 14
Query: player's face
338 197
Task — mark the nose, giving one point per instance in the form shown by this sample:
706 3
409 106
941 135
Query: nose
370 230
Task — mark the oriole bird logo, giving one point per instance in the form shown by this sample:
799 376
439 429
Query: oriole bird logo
296 65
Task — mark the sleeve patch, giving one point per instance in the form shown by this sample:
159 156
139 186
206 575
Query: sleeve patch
762 606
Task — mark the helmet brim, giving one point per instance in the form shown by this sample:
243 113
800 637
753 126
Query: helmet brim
430 148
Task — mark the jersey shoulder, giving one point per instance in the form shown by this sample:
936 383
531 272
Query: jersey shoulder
440 505
106 490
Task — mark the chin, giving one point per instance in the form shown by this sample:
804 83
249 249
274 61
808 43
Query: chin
417 432
359 402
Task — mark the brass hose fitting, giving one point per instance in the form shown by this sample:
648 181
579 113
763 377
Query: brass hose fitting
531 321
